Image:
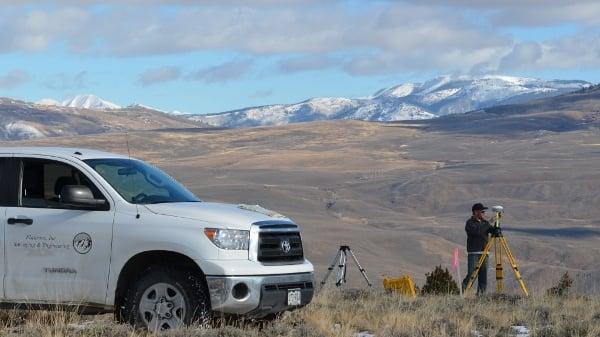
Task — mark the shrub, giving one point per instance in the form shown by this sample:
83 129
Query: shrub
439 282
562 287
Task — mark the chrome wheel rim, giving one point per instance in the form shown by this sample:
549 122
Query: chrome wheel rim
162 307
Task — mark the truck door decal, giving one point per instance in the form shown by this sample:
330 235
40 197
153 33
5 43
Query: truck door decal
82 243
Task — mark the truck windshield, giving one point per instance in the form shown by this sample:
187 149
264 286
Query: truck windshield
140 183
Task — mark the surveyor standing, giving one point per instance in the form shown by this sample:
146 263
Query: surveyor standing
478 230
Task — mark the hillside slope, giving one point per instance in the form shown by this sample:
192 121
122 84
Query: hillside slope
567 112
23 120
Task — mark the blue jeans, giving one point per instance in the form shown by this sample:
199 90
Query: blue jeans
481 277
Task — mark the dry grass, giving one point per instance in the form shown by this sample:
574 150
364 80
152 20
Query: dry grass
389 315
344 313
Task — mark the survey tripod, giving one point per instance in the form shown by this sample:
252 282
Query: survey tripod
500 245
340 261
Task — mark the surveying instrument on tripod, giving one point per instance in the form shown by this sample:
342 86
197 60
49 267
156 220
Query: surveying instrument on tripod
340 262
500 245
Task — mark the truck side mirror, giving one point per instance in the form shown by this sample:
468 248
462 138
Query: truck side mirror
81 196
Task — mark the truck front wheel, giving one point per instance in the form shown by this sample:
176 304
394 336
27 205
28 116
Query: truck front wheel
165 299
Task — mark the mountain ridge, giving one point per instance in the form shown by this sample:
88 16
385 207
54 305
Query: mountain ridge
85 101
408 101
25 120
578 110
439 97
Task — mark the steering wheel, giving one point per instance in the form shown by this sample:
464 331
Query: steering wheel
139 198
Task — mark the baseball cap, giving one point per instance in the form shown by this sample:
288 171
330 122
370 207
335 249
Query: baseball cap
478 207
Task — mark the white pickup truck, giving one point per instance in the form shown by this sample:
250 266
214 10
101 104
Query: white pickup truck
108 233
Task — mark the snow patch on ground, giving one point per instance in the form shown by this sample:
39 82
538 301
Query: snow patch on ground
329 106
519 331
511 79
438 96
20 130
49 102
408 112
514 331
142 106
402 90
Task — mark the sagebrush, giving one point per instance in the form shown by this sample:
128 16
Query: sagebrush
439 282
563 286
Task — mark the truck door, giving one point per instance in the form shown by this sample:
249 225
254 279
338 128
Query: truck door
4 202
55 253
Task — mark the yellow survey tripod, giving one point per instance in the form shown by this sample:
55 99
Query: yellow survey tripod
498 241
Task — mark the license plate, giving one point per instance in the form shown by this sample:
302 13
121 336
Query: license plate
294 297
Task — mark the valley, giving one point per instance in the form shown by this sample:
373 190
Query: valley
398 194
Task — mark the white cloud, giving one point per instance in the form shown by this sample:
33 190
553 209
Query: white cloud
399 36
582 13
159 75
258 30
36 30
383 37
581 51
13 78
65 81
262 93
170 2
224 72
250 30
528 12
522 56
305 63
578 52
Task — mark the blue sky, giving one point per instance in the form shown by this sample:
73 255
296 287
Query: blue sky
203 56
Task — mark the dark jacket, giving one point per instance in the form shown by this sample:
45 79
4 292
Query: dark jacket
477 234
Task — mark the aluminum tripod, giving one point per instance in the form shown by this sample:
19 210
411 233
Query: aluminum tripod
498 241
340 262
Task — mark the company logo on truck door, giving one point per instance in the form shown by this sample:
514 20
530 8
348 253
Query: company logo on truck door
82 243
286 246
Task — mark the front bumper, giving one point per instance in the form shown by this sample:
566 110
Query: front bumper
267 294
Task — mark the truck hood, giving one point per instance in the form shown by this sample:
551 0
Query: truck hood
218 214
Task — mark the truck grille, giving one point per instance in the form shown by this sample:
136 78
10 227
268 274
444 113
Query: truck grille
287 286
280 247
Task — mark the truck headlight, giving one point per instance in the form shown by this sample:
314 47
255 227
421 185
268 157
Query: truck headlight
230 239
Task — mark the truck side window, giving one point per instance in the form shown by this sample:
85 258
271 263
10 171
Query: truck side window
44 179
2 179
9 176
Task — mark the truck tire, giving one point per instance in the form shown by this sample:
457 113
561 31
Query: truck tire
164 298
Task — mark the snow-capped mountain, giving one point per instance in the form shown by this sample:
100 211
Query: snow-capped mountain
87 101
410 101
